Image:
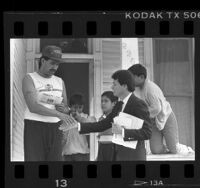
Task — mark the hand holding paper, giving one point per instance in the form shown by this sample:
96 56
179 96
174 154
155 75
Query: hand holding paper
128 122
116 129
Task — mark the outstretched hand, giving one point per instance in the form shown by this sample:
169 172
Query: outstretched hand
68 123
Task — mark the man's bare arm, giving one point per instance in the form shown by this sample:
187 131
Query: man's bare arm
29 93
64 94
63 107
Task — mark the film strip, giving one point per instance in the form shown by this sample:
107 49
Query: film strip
130 24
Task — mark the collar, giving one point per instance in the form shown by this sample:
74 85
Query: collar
126 98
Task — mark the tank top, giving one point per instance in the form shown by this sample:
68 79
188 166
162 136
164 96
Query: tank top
49 92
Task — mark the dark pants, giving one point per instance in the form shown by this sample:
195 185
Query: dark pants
105 152
129 154
76 157
42 141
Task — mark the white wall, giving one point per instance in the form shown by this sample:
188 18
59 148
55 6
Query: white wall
130 52
18 69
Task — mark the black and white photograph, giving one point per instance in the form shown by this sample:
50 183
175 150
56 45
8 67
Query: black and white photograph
102 99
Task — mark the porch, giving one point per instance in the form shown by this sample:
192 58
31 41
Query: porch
171 157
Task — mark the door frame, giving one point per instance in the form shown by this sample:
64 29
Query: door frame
94 81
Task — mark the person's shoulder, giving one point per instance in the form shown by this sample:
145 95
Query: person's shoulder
28 77
27 83
137 101
58 78
134 98
150 84
152 87
29 74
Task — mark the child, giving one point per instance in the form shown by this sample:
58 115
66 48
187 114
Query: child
106 147
75 145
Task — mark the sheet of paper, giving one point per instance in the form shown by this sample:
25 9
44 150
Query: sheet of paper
118 139
105 138
129 122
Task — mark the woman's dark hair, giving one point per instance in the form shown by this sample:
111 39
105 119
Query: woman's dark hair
40 60
110 95
124 77
76 99
138 70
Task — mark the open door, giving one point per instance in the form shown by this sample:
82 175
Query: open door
76 78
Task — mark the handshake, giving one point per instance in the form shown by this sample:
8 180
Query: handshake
70 120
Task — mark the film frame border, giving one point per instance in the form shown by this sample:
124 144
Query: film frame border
114 26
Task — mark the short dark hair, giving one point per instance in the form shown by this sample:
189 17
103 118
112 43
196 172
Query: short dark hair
138 70
76 99
124 77
40 63
110 95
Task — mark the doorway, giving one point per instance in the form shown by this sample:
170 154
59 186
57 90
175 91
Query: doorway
76 79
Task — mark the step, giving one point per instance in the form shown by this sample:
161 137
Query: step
171 157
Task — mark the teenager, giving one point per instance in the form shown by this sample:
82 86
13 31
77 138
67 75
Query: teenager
165 125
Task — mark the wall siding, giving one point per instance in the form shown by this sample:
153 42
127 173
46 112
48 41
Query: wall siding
112 60
19 68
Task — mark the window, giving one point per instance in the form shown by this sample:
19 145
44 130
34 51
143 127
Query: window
171 51
69 45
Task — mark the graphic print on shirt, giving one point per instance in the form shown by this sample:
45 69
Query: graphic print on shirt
49 95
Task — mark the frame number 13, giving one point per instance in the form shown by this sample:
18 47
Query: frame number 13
61 183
